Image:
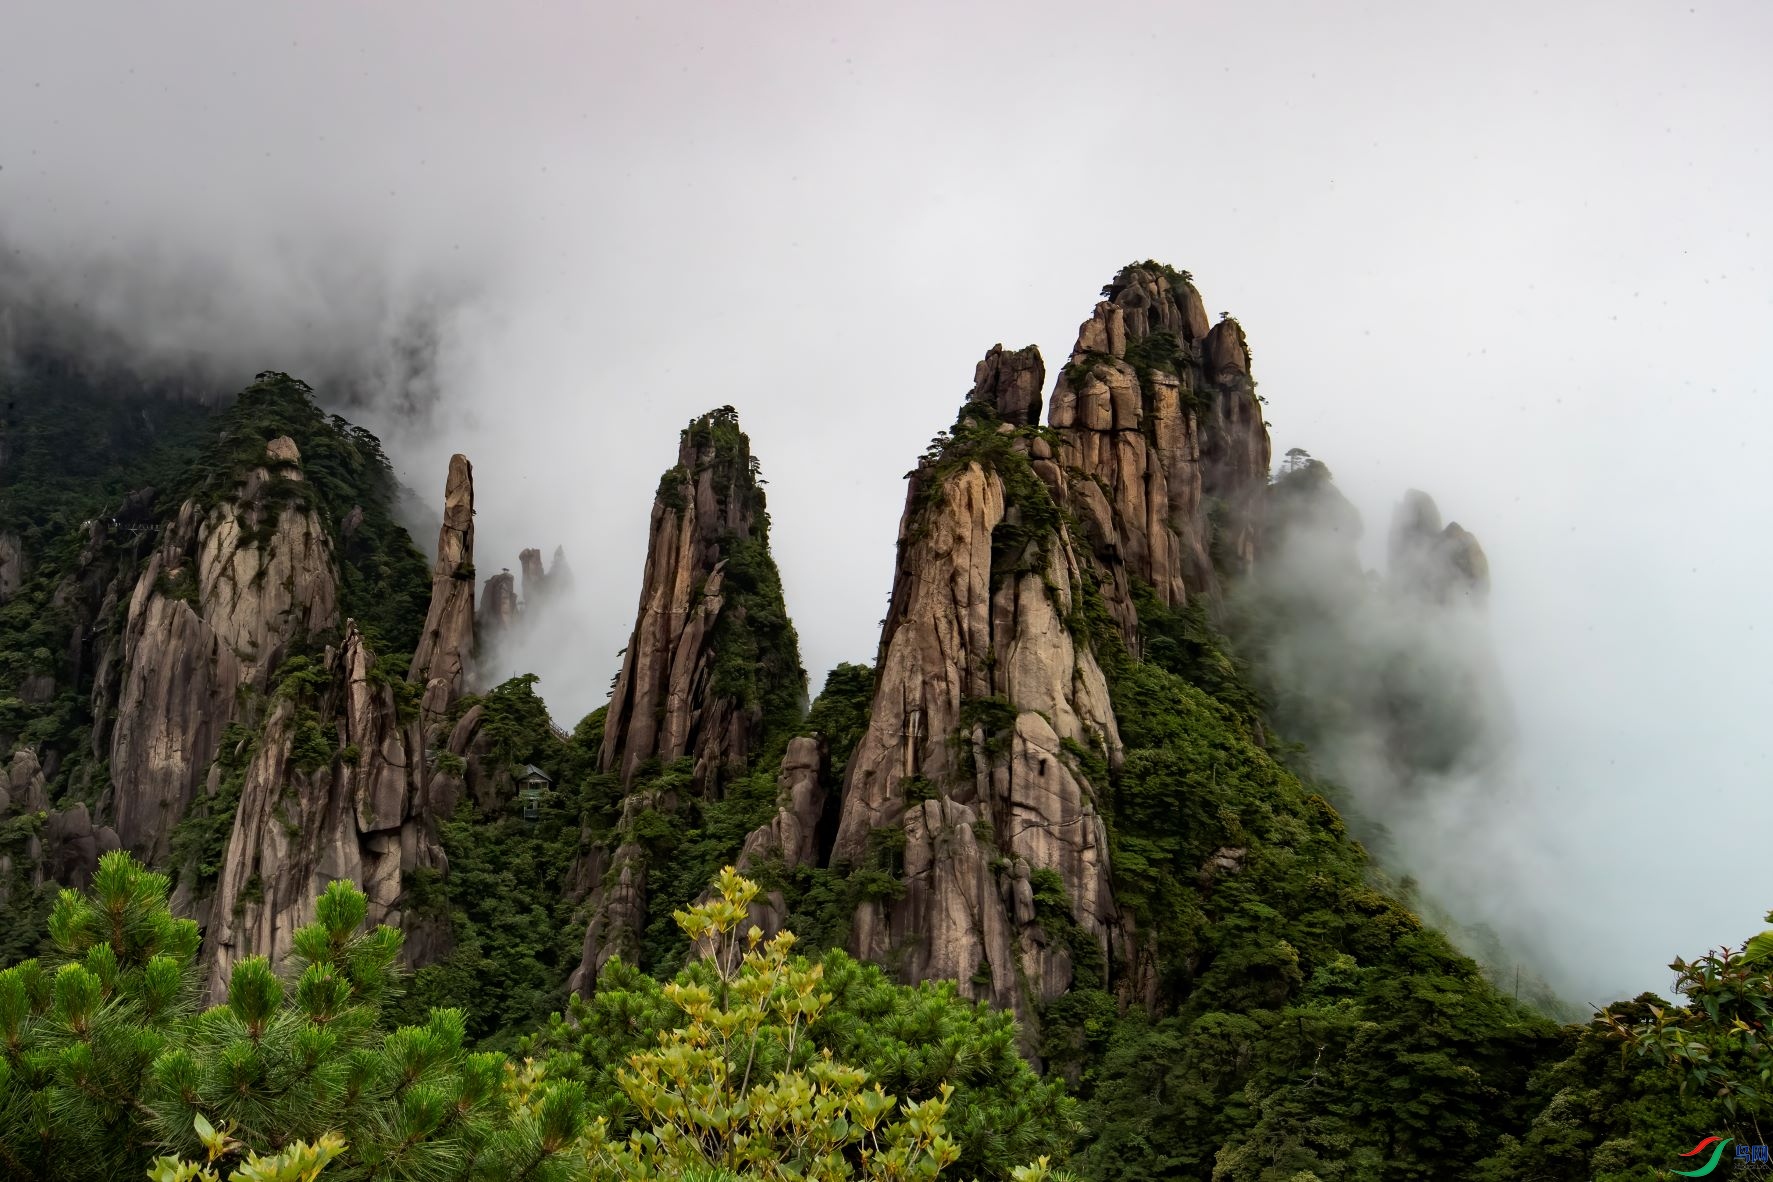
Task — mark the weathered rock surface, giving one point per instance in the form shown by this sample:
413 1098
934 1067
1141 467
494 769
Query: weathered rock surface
25 782
617 908
1158 419
359 816
1012 383
266 576
790 839
984 702
216 608
666 704
443 663
497 618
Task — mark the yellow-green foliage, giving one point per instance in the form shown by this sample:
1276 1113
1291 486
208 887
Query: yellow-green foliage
818 1122
109 1070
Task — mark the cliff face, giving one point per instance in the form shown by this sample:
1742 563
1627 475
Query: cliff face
498 609
711 676
973 776
1157 418
674 696
334 789
216 609
443 661
338 783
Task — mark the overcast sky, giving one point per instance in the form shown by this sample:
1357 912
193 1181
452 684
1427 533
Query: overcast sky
1514 254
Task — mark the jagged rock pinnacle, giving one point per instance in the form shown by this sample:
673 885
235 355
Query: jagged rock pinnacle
1158 410
668 701
443 660
1011 383
1432 561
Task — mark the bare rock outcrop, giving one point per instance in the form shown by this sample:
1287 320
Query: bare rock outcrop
710 668
1011 382
972 773
25 782
617 907
669 701
497 617
266 575
304 820
215 609
1158 419
443 662
790 839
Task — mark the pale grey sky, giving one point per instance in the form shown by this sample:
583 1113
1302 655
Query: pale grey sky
1514 254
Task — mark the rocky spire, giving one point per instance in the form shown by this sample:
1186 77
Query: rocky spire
1431 561
1158 411
535 577
309 813
1010 383
988 716
706 661
712 672
498 610
443 662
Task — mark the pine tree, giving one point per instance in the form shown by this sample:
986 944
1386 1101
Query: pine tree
108 1070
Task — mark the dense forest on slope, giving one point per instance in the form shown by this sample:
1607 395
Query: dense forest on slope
1071 892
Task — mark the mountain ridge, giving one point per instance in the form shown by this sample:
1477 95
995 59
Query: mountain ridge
1058 788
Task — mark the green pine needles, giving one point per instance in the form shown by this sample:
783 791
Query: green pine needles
109 1068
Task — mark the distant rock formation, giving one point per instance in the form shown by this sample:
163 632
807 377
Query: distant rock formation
1433 561
496 620
506 624
443 663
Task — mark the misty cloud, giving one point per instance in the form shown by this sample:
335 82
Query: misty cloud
1391 683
